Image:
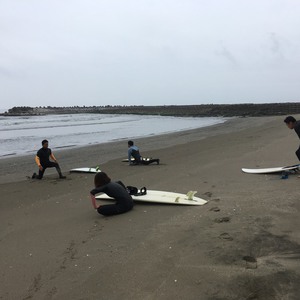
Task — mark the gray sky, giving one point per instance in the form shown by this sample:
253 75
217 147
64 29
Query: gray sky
149 52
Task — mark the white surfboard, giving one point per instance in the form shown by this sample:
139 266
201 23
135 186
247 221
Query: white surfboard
164 197
132 159
270 170
86 170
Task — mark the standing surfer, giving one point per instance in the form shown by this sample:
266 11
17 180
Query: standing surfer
293 124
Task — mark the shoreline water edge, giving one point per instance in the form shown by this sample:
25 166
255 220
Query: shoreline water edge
85 155
243 243
23 134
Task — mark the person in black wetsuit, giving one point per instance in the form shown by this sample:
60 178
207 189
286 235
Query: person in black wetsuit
133 151
116 190
293 124
43 161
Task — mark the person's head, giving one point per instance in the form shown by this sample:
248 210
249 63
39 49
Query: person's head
45 143
290 122
101 179
130 143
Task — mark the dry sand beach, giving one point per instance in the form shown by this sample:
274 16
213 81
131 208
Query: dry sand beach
243 244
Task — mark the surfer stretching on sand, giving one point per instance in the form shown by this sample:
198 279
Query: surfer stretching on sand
293 124
43 161
133 151
116 190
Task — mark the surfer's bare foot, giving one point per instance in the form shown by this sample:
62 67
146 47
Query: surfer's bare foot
62 177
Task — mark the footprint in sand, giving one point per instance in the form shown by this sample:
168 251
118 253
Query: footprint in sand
222 220
51 293
216 209
226 236
251 262
216 200
208 194
35 286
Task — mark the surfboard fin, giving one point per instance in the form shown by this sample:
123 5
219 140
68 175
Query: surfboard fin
191 194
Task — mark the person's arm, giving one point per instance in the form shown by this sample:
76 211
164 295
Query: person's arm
297 128
38 162
129 155
97 190
53 157
93 198
93 192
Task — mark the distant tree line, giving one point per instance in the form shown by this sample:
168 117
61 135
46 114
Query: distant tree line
203 110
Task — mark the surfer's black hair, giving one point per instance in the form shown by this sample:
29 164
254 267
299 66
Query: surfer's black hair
101 179
289 119
130 143
44 142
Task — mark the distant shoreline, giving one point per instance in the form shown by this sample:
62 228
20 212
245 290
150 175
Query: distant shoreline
71 131
203 110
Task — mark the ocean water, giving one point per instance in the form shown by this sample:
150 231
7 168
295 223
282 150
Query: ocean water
23 135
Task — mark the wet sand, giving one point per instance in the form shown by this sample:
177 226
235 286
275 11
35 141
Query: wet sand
243 244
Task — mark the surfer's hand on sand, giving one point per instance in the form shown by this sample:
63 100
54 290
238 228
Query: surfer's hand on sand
93 198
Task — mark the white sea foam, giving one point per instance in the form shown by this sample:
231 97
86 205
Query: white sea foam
23 135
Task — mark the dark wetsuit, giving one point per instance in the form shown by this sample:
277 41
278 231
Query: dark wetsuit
44 154
297 130
138 160
117 191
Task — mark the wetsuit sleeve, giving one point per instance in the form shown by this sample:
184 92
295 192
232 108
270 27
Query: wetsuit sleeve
37 160
297 128
95 191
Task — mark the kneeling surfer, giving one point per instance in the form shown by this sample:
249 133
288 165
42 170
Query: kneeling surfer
134 152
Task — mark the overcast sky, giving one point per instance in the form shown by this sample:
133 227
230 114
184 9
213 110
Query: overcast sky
148 52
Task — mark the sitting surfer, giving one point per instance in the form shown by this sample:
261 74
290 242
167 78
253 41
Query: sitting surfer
134 152
116 190
293 124
43 161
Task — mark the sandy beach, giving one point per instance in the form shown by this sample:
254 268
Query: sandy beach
243 244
